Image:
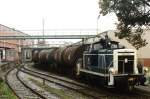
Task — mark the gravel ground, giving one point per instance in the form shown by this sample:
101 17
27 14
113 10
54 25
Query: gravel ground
25 78
53 90
111 93
19 88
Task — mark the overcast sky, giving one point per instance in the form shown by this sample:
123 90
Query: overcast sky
57 14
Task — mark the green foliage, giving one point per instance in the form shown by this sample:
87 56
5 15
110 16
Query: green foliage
5 92
132 15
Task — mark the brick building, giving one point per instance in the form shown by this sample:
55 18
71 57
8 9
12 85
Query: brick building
10 49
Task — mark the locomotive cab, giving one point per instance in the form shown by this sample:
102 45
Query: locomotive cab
114 64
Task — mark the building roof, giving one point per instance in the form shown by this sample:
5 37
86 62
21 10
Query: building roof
10 31
7 31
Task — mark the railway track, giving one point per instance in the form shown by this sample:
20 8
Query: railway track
21 90
113 93
69 84
142 92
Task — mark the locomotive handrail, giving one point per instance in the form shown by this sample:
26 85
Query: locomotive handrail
109 68
110 65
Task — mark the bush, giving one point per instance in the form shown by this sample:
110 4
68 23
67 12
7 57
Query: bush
1 79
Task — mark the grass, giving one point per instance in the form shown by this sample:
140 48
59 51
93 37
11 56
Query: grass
6 92
61 93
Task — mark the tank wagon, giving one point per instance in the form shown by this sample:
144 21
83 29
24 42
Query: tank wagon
112 63
45 56
67 57
35 55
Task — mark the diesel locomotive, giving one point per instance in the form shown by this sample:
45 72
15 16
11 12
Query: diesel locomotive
112 63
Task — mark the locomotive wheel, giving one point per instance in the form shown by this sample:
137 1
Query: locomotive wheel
130 88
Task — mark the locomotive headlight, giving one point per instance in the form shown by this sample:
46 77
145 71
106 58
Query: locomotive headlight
145 69
112 71
126 60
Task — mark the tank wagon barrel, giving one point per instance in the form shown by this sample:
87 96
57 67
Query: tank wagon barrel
72 53
35 55
67 57
50 56
58 55
45 56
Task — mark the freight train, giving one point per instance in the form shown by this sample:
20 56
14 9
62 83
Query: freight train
112 63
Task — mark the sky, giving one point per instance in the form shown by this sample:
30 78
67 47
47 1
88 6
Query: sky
58 15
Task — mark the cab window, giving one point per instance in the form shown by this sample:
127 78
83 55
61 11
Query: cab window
97 46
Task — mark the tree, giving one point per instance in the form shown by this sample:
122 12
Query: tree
133 17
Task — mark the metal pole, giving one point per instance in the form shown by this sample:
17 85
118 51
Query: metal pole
43 31
97 23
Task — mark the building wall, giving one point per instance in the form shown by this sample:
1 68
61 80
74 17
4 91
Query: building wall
12 47
143 53
146 62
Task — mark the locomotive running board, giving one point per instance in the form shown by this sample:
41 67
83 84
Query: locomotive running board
93 73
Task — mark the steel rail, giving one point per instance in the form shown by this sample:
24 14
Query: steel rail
26 86
60 84
142 93
38 94
51 76
6 80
